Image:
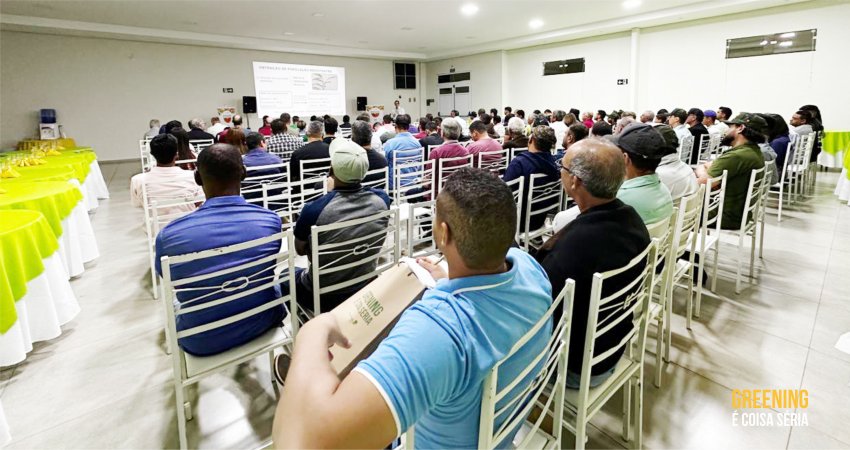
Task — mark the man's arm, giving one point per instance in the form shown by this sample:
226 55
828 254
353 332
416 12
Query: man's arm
300 247
316 410
702 172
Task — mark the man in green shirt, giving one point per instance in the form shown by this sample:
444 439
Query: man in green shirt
643 148
746 131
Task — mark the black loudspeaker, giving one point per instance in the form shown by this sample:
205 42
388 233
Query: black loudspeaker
361 103
249 104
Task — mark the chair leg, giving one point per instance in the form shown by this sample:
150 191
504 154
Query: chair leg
761 241
274 379
179 400
581 430
638 413
659 349
627 411
740 263
668 322
714 271
753 251
781 189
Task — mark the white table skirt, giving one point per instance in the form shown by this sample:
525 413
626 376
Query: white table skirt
5 437
77 245
842 190
48 304
827 160
94 187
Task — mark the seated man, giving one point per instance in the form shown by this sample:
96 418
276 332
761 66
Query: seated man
450 149
402 145
257 155
348 200
315 148
282 143
514 137
361 134
429 371
537 160
745 134
224 219
607 234
678 176
482 143
432 137
165 181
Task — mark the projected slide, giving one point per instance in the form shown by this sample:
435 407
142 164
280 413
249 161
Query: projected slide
299 90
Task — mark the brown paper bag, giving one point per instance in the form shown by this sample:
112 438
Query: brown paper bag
367 317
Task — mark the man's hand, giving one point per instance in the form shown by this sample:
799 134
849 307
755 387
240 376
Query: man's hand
328 325
435 270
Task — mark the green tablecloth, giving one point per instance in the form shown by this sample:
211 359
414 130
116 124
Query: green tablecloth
54 199
25 241
836 141
41 173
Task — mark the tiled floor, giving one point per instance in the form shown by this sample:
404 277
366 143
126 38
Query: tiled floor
105 382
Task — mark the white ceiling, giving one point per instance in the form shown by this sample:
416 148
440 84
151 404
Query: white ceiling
395 29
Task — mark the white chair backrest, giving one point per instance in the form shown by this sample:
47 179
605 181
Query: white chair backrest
705 147
663 231
200 144
686 146
288 199
219 289
712 207
400 157
516 151
413 182
313 168
447 166
517 186
504 410
496 161
347 253
160 210
145 154
687 222
751 204
379 179
252 185
420 217
541 198
627 304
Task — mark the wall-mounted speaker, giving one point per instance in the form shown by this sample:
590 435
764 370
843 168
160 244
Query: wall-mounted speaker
361 103
249 104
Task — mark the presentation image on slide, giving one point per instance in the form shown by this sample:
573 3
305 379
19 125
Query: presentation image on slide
300 90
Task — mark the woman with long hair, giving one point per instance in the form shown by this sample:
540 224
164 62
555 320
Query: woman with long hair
184 149
236 138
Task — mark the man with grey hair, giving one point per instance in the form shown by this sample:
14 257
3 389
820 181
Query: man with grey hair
647 117
606 234
514 134
196 130
154 129
560 127
450 148
622 124
313 149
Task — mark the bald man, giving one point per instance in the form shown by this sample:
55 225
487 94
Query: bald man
605 235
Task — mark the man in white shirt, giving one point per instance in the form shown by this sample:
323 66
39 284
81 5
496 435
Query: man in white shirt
154 129
560 128
676 120
216 126
712 125
801 121
678 176
398 109
165 181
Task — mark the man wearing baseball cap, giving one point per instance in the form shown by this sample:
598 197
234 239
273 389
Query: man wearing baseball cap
746 131
643 147
348 200
711 123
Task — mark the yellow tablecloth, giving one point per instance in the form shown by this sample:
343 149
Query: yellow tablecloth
54 199
26 239
66 142
41 173
79 159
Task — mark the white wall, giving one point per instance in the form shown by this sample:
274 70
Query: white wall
485 72
105 91
684 65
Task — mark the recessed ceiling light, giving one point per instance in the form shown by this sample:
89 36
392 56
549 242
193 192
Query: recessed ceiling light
318 14
764 42
787 35
469 9
288 33
629 4
535 23
786 43
406 29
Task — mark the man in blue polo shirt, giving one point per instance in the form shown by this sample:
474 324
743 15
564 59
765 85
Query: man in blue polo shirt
224 219
429 371
258 156
402 145
348 200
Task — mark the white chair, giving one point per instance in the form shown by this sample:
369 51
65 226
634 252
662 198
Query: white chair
496 161
201 144
704 148
663 232
145 154
214 290
288 199
708 238
686 147
418 221
159 212
631 303
405 158
798 169
504 411
331 255
314 168
542 199
413 182
714 144
762 208
380 180
252 186
517 186
748 224
447 166
684 241
516 151
781 188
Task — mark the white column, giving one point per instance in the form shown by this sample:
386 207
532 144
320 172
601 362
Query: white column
504 81
633 70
